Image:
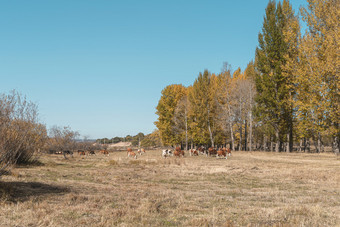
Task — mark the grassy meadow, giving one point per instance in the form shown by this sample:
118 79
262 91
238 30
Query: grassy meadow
247 189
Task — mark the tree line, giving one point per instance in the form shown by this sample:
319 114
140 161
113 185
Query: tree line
135 140
149 140
288 95
23 138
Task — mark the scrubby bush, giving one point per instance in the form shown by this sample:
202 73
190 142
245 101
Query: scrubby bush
21 135
62 139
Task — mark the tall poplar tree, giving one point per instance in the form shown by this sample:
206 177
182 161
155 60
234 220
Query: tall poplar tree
319 77
166 107
250 75
227 101
203 109
181 119
273 85
291 37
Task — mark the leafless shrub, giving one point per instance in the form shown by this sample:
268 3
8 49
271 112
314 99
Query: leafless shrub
34 141
20 133
62 138
96 147
86 145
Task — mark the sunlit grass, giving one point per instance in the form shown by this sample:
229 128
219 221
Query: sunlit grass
254 188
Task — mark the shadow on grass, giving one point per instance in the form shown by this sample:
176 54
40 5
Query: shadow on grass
30 163
5 172
22 191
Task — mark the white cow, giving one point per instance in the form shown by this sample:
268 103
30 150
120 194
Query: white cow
166 153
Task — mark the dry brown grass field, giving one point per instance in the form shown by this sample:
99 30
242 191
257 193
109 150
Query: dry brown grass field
248 189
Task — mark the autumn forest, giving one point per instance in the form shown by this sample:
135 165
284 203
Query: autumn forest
286 99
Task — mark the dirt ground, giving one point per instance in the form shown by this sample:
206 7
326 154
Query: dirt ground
247 189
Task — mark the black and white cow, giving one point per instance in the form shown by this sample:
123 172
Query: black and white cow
166 153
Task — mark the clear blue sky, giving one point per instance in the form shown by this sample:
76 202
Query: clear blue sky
100 66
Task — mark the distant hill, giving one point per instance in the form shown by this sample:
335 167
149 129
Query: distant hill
120 144
88 140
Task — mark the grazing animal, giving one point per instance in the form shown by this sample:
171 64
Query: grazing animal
193 152
228 152
178 152
67 152
166 153
211 151
202 150
221 153
132 154
92 153
104 152
81 152
141 151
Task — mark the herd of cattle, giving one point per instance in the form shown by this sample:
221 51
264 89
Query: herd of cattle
221 152
177 152
80 152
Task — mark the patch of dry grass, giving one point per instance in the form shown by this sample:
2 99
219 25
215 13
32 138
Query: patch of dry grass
249 188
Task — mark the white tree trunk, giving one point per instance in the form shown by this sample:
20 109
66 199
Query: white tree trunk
288 143
277 145
250 131
186 131
209 128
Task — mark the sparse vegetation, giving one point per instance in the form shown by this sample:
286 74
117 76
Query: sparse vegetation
21 135
255 188
285 100
62 138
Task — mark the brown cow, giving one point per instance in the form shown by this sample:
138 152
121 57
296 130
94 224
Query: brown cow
104 152
211 151
178 152
131 154
193 152
81 152
221 153
141 151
